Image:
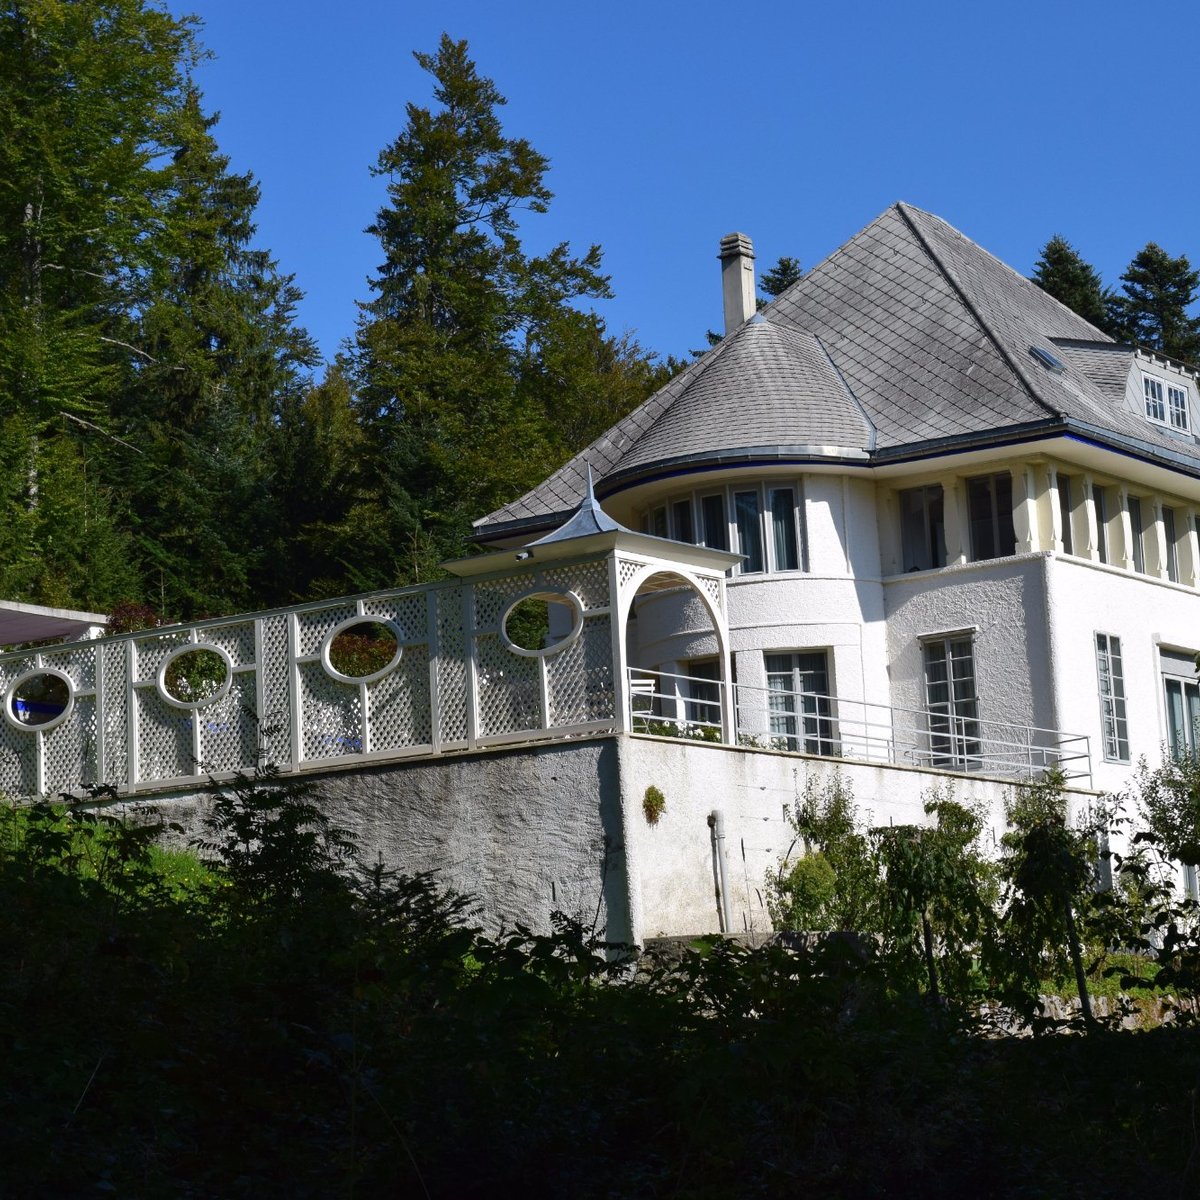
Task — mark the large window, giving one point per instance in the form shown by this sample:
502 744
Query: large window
953 710
801 708
1114 724
923 527
990 503
760 522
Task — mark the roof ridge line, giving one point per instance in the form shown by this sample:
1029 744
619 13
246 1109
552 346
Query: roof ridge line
976 315
866 416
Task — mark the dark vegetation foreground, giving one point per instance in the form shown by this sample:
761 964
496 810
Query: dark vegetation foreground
282 1023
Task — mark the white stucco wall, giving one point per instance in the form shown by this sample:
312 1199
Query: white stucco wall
1088 598
671 863
1003 602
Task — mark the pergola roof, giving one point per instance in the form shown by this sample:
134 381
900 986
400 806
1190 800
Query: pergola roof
36 623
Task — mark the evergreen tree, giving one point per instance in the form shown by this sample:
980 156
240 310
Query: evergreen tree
145 346
463 356
780 277
218 355
89 93
1158 291
1063 273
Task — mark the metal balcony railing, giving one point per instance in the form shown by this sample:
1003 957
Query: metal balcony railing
690 707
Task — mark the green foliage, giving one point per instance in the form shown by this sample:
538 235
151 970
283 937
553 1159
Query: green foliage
1169 805
825 820
781 276
475 372
363 649
654 804
1065 275
286 1023
195 675
935 897
1157 292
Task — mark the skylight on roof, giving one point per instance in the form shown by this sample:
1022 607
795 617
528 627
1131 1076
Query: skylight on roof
1050 361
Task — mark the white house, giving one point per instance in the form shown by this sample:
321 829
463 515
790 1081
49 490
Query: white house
951 495
915 521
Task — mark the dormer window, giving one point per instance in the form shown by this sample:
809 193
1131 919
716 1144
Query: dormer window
1156 409
1166 403
1177 406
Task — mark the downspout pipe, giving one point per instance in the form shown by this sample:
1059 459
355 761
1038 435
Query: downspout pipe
716 823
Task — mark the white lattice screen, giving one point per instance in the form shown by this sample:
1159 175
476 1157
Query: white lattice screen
456 683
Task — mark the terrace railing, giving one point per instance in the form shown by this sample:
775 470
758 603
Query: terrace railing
683 706
104 711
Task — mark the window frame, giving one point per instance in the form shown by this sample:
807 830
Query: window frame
764 492
1114 709
953 725
811 729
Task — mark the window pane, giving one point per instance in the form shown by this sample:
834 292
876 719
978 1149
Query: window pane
981 502
1006 535
716 529
1176 737
703 698
1101 522
1177 401
800 706
1134 507
1153 388
1064 509
1114 724
923 528
658 522
1170 535
783 529
681 515
749 528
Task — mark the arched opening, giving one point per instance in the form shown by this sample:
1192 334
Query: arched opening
678 660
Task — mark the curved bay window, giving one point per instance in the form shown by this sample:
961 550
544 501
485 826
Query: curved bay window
761 521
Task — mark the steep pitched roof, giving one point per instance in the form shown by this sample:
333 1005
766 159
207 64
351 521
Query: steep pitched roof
909 334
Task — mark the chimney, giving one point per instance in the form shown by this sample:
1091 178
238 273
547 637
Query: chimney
737 279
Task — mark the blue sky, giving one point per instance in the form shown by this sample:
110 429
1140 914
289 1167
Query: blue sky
670 124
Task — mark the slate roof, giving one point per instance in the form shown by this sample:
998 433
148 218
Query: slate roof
908 337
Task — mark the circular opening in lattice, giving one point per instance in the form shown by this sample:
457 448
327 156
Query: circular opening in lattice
193 676
39 699
362 649
542 623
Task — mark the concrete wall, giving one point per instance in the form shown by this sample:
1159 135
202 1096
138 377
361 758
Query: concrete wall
525 832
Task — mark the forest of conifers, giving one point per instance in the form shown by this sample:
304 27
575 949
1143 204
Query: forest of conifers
168 433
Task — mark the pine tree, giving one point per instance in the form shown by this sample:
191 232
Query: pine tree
1063 273
469 343
781 276
89 93
1158 291
219 354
